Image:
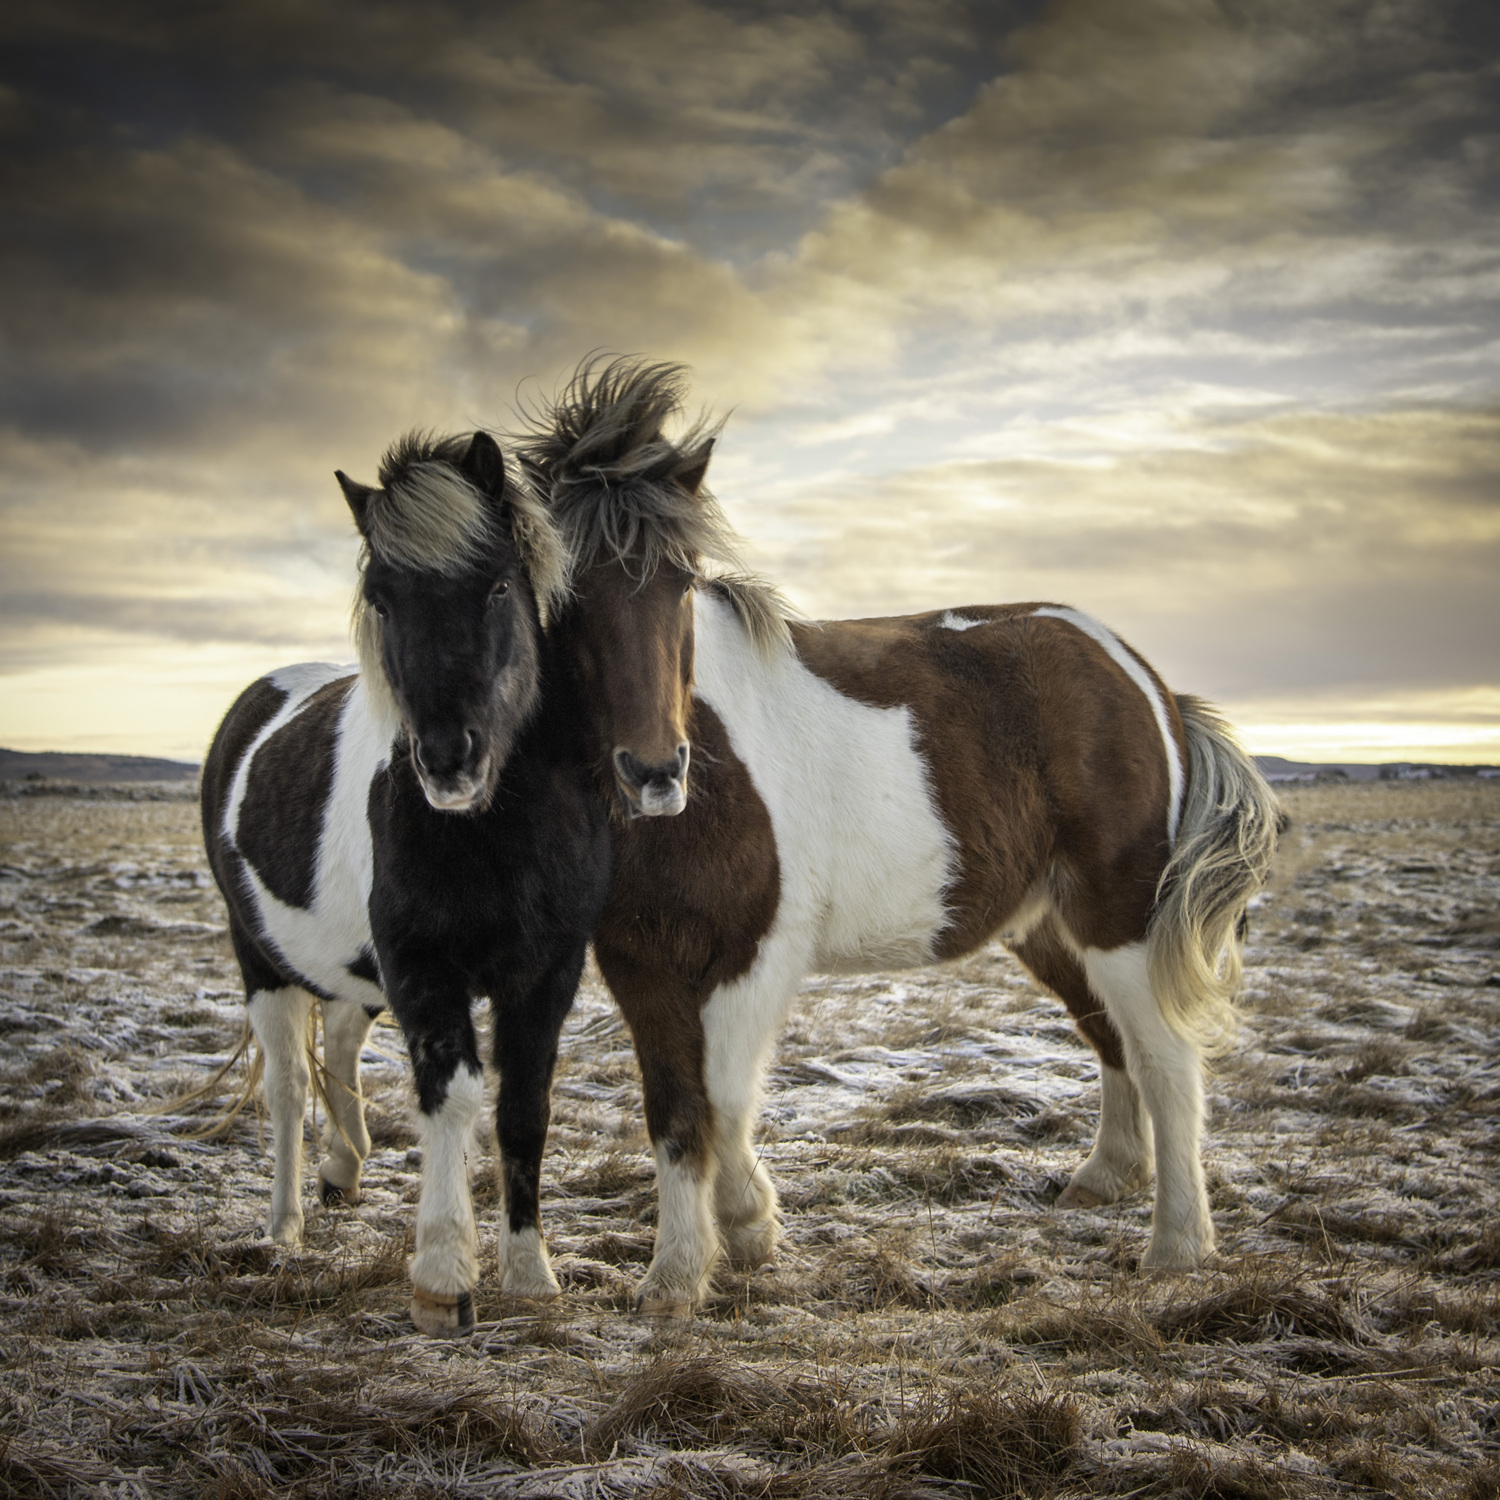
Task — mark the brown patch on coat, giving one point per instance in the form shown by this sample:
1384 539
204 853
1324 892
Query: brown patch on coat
280 824
692 897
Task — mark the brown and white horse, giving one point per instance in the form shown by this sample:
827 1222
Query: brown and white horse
872 793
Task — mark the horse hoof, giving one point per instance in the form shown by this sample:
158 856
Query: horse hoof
442 1314
1074 1196
331 1195
664 1309
751 1246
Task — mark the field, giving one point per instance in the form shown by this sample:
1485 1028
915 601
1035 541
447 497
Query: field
932 1324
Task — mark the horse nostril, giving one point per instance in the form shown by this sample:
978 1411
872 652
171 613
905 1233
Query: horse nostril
684 751
628 768
471 747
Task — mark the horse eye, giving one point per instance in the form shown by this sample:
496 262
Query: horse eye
379 609
500 590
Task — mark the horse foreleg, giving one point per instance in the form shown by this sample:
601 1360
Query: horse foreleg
526 1033
666 1022
279 1019
346 1025
1167 1070
740 1024
450 1096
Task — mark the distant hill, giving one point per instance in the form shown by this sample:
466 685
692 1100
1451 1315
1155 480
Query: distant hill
1277 768
22 765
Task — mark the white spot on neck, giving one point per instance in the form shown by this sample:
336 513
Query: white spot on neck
951 621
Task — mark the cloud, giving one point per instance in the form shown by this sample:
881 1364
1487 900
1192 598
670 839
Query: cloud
1180 311
1283 554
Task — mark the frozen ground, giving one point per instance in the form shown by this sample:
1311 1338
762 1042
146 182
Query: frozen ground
932 1323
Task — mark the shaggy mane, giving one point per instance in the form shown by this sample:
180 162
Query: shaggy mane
614 483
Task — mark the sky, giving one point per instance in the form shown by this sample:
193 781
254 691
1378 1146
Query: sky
1184 313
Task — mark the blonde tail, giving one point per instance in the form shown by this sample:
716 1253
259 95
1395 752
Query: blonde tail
1230 820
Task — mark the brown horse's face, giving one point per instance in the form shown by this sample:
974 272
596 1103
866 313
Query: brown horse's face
632 647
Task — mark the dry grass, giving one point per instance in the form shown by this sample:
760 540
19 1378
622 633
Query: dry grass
933 1325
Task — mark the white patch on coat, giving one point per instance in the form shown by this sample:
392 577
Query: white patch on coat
951 621
525 1266
447 1258
1142 679
320 941
864 856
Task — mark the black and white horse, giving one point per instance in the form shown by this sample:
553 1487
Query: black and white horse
422 832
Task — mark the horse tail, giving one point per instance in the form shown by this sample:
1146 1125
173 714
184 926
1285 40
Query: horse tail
1225 842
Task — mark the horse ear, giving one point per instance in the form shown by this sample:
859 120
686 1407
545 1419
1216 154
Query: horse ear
358 496
483 465
691 478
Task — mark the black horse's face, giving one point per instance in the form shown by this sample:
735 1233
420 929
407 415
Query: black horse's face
460 656
458 623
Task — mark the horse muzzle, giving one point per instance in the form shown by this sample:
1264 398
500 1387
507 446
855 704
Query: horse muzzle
652 791
454 787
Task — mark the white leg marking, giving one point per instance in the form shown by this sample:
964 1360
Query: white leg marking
1166 1069
525 1267
687 1240
447 1258
744 1195
279 1020
1120 655
740 1025
346 1024
1121 1161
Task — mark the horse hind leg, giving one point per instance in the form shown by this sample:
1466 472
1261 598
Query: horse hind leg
1168 1071
346 1142
279 1018
1122 1159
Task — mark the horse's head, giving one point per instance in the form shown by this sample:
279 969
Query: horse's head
633 510
630 635
447 619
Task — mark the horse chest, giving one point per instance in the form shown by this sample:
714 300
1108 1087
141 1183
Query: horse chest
528 873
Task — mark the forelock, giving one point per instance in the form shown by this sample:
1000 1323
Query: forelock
427 515
611 477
